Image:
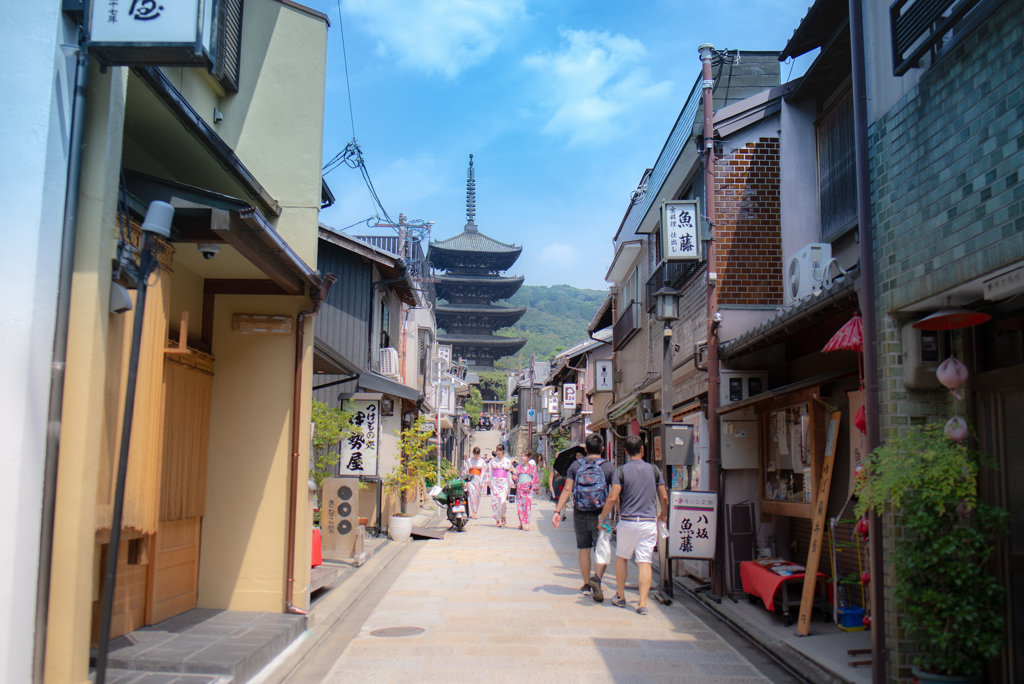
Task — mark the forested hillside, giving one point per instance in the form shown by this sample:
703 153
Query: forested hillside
556 318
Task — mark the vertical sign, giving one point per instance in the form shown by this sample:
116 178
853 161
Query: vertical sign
446 400
359 450
603 376
858 440
339 516
553 404
681 235
692 524
818 527
569 395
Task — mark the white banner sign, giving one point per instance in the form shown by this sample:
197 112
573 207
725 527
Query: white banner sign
603 376
359 451
680 223
552 404
692 524
444 351
569 395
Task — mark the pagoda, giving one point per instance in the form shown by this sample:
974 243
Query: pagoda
471 283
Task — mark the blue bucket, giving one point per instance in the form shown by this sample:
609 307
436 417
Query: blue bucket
851 617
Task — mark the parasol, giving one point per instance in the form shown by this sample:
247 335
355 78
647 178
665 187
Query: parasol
565 458
850 337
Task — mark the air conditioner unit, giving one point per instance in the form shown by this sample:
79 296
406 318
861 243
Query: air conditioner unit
389 362
805 270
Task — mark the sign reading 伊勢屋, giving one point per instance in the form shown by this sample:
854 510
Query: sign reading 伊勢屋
681 232
360 449
152 32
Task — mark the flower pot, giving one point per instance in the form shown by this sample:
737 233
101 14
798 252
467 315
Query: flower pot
364 521
400 528
929 678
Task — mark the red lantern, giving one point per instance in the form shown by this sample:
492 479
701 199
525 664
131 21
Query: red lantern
865 577
867 620
860 420
863 527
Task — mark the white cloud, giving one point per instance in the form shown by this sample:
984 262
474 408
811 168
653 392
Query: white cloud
591 82
560 255
437 36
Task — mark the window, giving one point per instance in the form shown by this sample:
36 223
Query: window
920 27
837 172
385 324
631 293
228 44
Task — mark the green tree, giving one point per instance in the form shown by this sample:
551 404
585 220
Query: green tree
474 405
414 445
496 382
330 427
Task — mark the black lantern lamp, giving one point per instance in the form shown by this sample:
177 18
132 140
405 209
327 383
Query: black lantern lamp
666 304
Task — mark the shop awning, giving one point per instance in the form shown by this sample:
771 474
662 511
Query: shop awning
784 390
328 361
622 408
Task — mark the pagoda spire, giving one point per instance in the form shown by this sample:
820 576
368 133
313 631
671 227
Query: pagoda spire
470 198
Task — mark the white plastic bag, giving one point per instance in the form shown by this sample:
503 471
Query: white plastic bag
603 550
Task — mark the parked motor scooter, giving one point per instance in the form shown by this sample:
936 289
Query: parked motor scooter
453 497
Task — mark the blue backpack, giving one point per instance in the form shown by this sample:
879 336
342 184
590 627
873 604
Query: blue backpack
590 488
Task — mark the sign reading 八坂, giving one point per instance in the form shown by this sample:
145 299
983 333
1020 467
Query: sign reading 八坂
360 449
152 32
680 230
692 524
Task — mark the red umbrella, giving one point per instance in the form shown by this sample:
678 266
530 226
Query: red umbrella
848 338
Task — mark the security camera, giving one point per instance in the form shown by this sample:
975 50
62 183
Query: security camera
209 249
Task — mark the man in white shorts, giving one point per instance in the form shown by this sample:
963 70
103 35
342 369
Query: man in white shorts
638 485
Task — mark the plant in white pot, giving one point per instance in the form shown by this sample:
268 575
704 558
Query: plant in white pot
407 476
950 604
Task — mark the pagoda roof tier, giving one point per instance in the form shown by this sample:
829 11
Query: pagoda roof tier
472 249
482 346
492 287
451 317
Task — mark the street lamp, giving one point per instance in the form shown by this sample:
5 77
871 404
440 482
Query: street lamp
666 310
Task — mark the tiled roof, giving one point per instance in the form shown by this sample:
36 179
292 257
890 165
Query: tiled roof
480 280
481 340
480 308
474 241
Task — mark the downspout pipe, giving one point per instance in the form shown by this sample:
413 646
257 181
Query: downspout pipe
715 480
293 481
57 366
867 305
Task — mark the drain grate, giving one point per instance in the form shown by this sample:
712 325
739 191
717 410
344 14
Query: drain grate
397 631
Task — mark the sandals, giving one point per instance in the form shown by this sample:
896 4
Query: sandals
642 610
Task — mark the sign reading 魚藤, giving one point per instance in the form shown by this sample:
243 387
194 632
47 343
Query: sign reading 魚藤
552 404
360 449
680 230
692 524
151 32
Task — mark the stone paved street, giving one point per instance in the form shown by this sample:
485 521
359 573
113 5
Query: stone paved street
502 605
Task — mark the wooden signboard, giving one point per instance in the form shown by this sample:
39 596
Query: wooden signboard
339 517
818 527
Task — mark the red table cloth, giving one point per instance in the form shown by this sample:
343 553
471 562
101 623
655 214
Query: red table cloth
764 583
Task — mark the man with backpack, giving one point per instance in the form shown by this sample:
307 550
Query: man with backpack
638 486
588 479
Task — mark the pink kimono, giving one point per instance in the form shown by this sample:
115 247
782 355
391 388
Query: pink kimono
526 485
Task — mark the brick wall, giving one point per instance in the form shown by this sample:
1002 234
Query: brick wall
748 238
946 200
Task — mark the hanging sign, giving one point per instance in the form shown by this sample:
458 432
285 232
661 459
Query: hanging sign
553 404
603 376
152 32
681 230
692 524
359 450
569 395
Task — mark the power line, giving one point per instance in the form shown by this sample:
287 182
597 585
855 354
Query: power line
348 85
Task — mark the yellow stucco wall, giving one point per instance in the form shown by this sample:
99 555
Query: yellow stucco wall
71 579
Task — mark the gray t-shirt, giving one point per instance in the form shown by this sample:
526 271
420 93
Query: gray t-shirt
639 495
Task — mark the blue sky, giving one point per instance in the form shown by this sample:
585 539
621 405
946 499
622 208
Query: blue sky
563 104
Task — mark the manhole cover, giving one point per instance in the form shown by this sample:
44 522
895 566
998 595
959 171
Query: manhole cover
397 631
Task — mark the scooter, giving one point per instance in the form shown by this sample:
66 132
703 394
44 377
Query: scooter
453 497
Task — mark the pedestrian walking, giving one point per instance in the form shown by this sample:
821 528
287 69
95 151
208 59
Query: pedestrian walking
588 479
473 472
526 482
637 486
500 476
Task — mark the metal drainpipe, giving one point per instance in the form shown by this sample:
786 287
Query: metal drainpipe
293 480
57 367
716 483
867 301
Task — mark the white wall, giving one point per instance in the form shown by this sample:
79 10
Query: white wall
36 111
798 188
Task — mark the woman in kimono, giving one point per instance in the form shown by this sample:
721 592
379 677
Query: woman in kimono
500 474
473 473
526 484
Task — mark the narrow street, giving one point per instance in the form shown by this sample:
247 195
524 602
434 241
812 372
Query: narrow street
503 605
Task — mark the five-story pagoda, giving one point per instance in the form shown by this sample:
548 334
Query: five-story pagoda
472 263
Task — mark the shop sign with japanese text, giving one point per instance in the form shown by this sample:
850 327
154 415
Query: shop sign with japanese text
569 395
681 230
151 32
359 451
692 524
603 375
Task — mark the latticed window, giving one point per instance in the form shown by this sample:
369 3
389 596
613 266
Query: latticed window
424 340
228 44
837 177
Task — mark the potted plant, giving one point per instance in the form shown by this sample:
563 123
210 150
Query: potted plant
331 426
407 476
949 603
